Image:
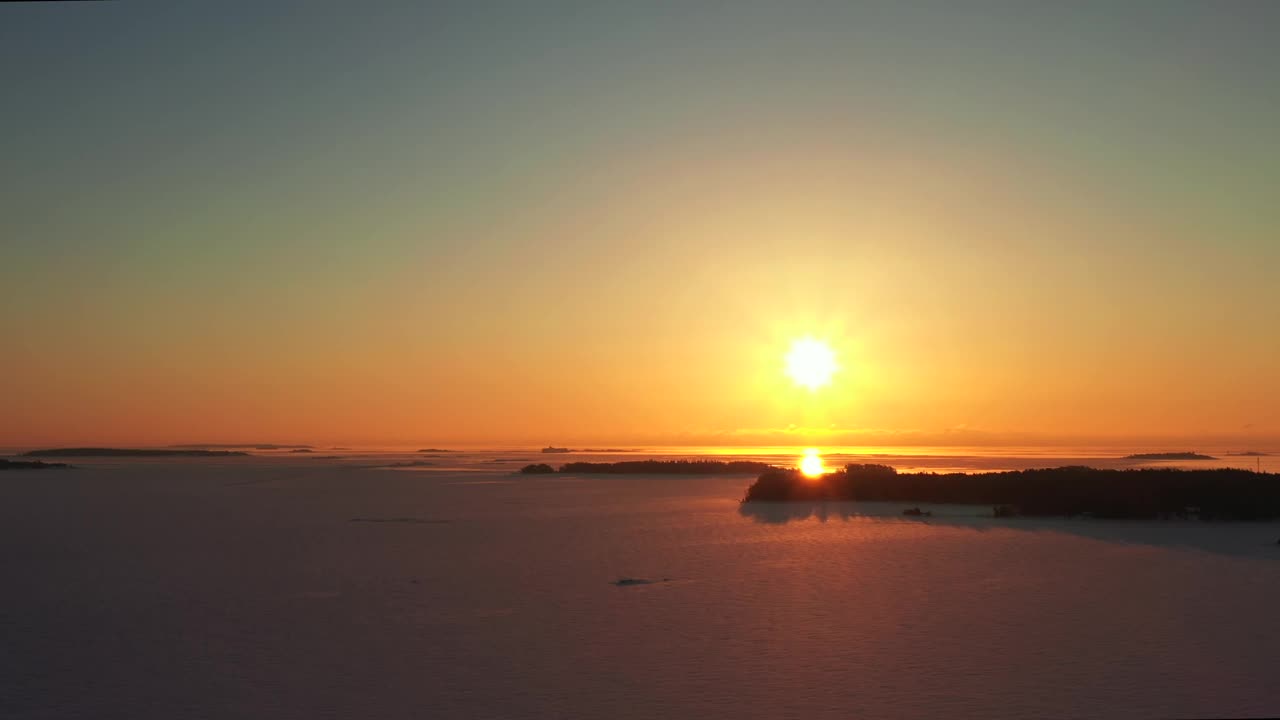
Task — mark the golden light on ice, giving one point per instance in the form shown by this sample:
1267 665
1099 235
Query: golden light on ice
811 463
811 363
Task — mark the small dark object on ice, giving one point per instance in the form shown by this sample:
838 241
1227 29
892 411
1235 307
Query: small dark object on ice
627 582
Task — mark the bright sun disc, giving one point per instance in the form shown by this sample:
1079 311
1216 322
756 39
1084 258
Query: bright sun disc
811 363
811 463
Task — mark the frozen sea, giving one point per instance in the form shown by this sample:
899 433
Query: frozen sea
294 586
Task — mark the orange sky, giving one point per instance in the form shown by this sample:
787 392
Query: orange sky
617 241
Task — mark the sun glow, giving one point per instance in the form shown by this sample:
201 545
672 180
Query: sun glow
811 463
811 363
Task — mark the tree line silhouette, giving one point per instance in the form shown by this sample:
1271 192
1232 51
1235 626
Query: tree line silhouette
1218 494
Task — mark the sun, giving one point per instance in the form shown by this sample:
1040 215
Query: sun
811 464
811 363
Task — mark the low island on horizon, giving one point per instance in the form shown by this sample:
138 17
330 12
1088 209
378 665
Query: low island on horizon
6 464
653 467
236 446
1074 490
131 452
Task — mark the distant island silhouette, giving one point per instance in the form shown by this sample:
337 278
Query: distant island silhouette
553 449
1250 453
653 467
29 465
1219 494
1169 456
130 452
232 446
434 450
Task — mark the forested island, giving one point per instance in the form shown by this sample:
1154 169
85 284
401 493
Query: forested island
1169 456
29 465
654 467
131 452
1218 494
